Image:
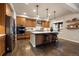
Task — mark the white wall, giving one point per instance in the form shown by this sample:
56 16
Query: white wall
72 35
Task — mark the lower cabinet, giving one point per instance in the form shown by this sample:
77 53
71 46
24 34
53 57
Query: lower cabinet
39 39
26 35
2 45
45 38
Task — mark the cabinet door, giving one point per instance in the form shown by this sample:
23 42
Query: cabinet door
39 39
27 35
2 45
26 23
45 24
21 21
2 18
33 23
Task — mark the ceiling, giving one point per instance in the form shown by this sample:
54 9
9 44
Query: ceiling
61 9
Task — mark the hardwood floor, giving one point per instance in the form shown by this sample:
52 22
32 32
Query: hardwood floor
61 48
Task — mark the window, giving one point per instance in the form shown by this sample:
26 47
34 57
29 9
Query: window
58 26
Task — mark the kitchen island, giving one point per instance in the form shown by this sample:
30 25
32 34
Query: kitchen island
42 37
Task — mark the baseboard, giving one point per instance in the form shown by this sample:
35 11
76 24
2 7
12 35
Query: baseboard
69 40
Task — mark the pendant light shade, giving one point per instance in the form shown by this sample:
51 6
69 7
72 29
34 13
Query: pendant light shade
37 15
47 13
54 14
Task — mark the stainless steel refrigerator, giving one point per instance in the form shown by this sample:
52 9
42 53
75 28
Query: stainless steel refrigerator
10 33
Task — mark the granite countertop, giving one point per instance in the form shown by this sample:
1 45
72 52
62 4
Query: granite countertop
2 35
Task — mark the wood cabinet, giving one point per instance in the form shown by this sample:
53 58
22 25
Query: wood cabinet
4 10
2 18
25 22
39 39
45 24
44 38
20 21
2 45
26 35
30 22
2 28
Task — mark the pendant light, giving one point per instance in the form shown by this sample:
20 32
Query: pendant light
37 16
47 13
54 14
38 21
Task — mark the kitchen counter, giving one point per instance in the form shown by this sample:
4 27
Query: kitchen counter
2 35
39 37
40 32
2 44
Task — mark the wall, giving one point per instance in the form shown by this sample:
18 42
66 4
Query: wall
71 35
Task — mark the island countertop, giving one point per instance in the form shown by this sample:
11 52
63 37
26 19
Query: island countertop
41 32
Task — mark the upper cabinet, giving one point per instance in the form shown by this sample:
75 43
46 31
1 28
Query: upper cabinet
30 22
45 24
27 22
20 21
2 18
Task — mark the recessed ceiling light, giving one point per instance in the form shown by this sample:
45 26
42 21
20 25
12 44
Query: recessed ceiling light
26 3
34 10
49 14
24 13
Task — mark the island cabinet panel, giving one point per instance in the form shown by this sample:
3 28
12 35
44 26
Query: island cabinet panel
2 45
52 37
39 39
45 38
